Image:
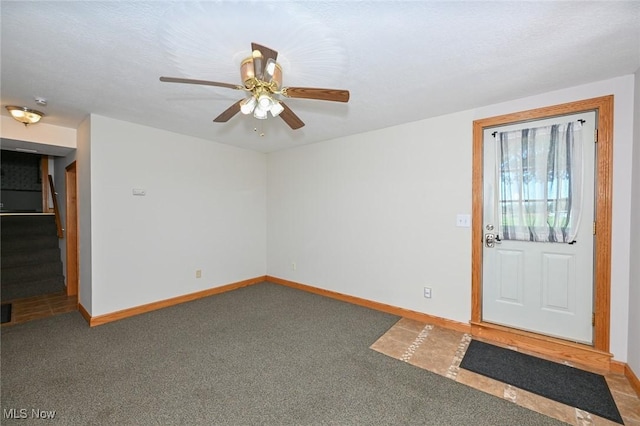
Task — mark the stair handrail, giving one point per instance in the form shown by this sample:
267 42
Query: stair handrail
56 211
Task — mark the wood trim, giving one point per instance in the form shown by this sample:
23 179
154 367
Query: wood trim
86 315
604 198
56 209
633 379
544 345
406 313
617 367
476 222
137 310
44 178
602 247
71 226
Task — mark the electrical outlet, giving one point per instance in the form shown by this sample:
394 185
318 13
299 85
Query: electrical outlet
198 273
294 266
427 293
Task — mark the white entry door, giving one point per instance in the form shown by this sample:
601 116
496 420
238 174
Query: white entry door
529 282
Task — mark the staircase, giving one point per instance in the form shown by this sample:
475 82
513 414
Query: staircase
30 257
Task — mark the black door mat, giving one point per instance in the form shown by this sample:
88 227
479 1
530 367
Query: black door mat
6 313
562 383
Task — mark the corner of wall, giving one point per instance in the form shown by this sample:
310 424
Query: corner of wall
633 354
83 158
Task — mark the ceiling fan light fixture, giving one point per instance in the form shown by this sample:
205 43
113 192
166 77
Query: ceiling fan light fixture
265 101
260 113
247 106
262 81
25 115
276 109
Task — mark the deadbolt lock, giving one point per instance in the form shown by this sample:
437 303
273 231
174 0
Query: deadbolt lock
489 240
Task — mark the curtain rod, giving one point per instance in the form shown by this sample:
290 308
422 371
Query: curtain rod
581 121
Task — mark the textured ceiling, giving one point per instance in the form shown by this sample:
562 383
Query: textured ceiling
401 61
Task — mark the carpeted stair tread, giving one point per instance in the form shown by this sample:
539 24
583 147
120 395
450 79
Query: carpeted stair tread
27 243
27 225
15 291
31 272
15 258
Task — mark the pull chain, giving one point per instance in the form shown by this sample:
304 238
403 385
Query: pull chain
261 133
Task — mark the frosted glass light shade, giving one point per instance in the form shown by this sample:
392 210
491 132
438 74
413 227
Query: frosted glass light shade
264 101
25 115
276 109
260 113
247 106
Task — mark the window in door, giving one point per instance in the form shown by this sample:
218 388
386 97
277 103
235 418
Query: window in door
539 182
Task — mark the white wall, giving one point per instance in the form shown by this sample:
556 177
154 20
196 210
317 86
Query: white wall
42 133
633 358
373 215
205 208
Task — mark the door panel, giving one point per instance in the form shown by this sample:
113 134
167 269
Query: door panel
510 277
543 287
558 282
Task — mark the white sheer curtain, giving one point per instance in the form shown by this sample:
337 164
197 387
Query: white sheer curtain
540 182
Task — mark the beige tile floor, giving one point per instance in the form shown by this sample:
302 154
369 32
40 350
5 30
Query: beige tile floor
440 350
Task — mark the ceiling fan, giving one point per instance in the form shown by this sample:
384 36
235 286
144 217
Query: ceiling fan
262 79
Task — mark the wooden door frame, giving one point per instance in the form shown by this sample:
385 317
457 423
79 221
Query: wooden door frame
71 225
598 354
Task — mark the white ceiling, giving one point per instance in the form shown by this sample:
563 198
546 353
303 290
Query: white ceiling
402 61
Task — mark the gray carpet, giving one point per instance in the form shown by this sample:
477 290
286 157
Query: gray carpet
264 354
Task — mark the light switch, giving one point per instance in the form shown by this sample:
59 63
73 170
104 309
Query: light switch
463 220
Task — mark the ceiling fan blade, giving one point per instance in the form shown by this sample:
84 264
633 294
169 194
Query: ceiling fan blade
203 82
269 70
290 118
260 61
228 113
316 93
